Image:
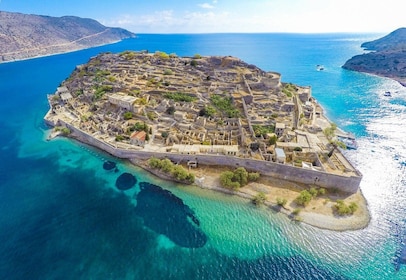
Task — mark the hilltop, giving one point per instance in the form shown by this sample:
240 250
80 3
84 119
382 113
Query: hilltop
387 57
25 36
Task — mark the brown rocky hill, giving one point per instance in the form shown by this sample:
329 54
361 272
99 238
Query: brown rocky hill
24 36
387 57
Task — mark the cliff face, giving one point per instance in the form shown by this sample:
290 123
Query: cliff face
387 59
24 36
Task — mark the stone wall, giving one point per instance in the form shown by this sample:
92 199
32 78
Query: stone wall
348 184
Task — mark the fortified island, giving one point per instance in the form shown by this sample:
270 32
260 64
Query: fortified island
202 111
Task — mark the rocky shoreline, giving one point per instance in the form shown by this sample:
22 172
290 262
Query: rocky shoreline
386 59
27 36
318 213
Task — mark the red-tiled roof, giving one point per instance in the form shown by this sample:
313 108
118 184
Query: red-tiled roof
139 135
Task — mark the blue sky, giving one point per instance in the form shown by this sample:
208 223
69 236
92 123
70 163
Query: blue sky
208 16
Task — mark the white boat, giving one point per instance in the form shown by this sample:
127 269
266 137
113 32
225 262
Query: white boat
319 67
387 93
350 143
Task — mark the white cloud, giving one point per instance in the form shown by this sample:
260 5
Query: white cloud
206 6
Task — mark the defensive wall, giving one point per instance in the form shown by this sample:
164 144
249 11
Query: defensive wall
349 184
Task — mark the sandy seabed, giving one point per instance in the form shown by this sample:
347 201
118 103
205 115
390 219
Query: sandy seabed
318 213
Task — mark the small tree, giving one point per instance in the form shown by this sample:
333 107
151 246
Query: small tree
304 198
226 180
154 163
259 198
166 165
241 176
253 176
281 201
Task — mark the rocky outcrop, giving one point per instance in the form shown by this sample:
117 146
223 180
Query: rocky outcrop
25 36
387 57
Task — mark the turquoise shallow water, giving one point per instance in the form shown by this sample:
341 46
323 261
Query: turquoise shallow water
63 218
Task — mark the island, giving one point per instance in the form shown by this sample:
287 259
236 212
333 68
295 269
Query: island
25 36
386 57
213 116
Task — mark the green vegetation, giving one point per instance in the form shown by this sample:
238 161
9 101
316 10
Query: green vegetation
64 130
343 209
296 211
101 73
194 63
141 101
138 126
180 97
127 115
128 55
100 90
207 111
237 178
176 171
329 132
272 140
289 89
152 116
197 56
304 198
168 72
224 105
259 198
281 201
120 138
261 130
162 55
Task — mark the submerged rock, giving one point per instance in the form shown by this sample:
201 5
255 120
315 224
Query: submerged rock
165 213
125 181
109 165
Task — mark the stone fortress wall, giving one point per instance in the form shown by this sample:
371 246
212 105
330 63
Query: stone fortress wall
349 184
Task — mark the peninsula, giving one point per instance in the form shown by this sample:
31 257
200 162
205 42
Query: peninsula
25 36
386 57
209 114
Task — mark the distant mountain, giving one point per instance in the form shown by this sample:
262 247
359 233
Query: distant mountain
24 36
387 57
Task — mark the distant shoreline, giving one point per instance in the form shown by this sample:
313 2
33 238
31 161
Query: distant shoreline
59 53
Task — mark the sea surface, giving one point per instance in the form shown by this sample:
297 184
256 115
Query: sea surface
62 216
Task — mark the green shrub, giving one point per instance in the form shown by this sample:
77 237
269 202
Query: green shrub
179 97
304 198
166 165
281 201
226 180
259 198
296 212
253 176
313 191
168 72
343 209
155 163
127 115
322 191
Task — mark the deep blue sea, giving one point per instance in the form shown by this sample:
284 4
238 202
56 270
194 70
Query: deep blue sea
62 217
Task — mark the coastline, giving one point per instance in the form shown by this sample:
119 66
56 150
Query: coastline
59 53
318 213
